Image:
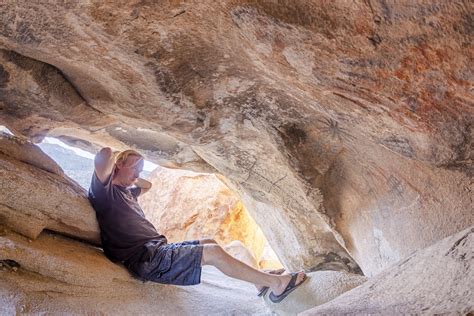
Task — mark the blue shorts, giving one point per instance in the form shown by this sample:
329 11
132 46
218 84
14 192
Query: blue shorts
174 263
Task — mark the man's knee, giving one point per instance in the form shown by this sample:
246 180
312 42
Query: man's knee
207 241
211 253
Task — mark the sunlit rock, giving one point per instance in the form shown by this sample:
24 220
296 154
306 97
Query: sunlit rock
238 250
184 206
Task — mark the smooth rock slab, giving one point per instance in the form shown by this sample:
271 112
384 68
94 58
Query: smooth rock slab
27 152
436 280
57 275
320 287
36 195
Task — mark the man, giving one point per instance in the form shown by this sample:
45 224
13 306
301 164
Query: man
129 238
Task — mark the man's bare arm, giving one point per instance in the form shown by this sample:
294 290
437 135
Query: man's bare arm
104 163
143 184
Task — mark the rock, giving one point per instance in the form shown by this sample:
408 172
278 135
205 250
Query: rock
435 280
338 125
320 287
64 276
22 150
184 205
238 250
383 195
269 259
62 259
34 198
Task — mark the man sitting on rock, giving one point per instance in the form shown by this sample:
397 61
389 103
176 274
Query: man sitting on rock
128 237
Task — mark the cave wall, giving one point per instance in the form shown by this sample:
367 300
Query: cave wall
412 286
346 127
43 271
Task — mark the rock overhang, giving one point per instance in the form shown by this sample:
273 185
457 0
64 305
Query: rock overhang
341 125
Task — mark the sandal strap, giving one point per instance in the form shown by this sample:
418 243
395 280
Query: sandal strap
292 282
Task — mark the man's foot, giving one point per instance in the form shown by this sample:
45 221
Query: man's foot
289 283
262 290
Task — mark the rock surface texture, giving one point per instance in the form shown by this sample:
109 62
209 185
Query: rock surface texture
319 288
36 195
346 127
57 275
437 280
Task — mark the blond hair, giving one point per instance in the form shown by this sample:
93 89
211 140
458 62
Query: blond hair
123 156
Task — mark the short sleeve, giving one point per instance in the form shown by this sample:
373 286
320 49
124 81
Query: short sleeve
96 189
136 191
100 193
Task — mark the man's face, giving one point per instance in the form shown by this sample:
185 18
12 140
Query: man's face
129 170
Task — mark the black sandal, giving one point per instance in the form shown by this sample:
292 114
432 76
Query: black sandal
289 288
264 289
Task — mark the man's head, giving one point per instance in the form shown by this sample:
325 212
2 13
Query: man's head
128 165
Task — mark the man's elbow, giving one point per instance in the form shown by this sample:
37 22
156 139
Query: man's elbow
105 152
144 190
147 185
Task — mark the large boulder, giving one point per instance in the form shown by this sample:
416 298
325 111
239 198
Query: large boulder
238 250
22 150
436 280
36 195
320 287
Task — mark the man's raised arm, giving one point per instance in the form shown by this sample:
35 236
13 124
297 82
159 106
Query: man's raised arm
104 163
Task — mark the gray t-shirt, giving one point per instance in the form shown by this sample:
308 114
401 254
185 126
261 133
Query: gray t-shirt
126 234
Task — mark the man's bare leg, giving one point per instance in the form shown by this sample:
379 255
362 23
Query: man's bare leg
258 286
213 254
